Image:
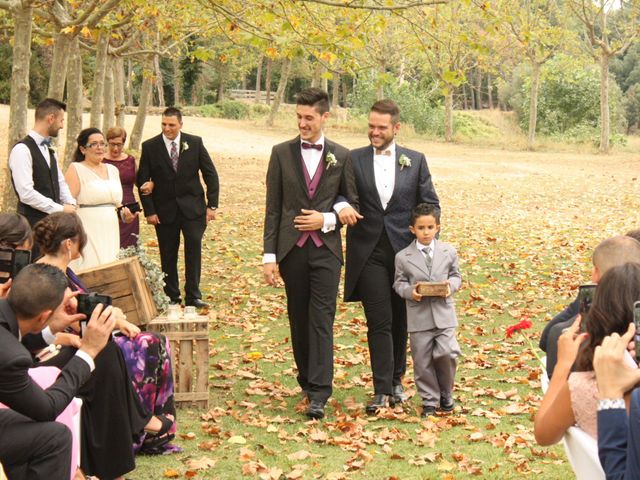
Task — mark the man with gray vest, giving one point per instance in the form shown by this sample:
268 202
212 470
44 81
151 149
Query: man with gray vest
36 176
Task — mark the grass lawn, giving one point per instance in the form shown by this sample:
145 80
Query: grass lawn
524 225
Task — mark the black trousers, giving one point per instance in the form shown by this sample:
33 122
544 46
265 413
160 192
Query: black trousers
169 243
386 315
31 450
311 276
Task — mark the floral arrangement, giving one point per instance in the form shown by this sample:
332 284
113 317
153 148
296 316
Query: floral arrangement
404 161
185 146
331 160
154 274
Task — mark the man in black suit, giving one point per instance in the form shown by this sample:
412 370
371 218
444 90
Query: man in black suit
173 160
304 178
32 444
391 180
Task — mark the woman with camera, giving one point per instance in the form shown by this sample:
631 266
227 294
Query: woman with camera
61 238
572 397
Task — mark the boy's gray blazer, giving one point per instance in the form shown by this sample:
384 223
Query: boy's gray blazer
431 312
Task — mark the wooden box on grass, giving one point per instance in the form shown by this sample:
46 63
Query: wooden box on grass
125 281
433 289
189 339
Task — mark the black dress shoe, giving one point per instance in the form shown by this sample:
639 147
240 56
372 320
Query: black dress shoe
447 406
196 303
398 395
379 401
428 410
175 301
315 409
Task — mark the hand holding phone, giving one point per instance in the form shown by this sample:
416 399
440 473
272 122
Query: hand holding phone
12 261
97 330
585 299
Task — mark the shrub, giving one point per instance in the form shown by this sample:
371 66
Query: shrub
231 109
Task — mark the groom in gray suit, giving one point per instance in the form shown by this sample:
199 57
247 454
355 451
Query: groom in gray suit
391 180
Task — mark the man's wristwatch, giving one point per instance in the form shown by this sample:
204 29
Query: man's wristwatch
611 404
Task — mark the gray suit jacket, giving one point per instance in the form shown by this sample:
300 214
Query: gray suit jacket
287 194
431 312
412 186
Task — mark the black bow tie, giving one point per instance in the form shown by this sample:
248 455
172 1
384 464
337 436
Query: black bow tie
46 142
315 146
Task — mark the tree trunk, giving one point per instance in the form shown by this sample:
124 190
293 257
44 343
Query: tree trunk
258 79
118 89
282 86
478 89
109 109
380 89
448 114
324 81
345 93
128 84
465 100
317 72
533 105
267 80
75 98
22 21
335 90
222 76
177 82
97 95
604 102
489 91
145 95
59 63
159 80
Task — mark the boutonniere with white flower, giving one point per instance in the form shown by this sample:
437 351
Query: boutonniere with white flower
331 160
404 161
185 146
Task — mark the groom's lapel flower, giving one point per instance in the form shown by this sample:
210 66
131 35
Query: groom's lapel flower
331 160
185 146
404 161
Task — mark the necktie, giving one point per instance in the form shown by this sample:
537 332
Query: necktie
383 152
46 142
174 156
315 146
427 257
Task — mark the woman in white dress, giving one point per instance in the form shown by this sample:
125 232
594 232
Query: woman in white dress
98 192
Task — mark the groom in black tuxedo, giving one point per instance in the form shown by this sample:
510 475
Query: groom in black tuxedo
301 237
391 181
174 160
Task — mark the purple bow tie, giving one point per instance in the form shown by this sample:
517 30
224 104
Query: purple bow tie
315 146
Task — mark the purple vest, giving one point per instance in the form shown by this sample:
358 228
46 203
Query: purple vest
312 186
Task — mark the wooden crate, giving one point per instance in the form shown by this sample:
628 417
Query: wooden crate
189 339
433 289
125 281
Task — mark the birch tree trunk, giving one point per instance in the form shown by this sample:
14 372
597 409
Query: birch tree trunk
75 99
19 100
159 80
118 89
109 108
448 114
478 89
59 65
177 82
533 105
282 86
335 90
128 85
267 81
145 95
97 95
258 79
605 127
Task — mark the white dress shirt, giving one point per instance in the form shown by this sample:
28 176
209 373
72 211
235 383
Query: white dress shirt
21 165
421 248
384 171
167 143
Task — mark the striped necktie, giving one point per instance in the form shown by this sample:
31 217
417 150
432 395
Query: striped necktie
427 257
174 156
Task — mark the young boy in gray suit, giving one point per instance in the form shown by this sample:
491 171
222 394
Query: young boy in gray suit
431 321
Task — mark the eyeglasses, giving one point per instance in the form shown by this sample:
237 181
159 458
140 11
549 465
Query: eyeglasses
95 145
116 145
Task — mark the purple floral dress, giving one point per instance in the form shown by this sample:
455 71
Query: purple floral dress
148 360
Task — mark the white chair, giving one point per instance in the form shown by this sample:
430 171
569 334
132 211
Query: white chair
581 449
